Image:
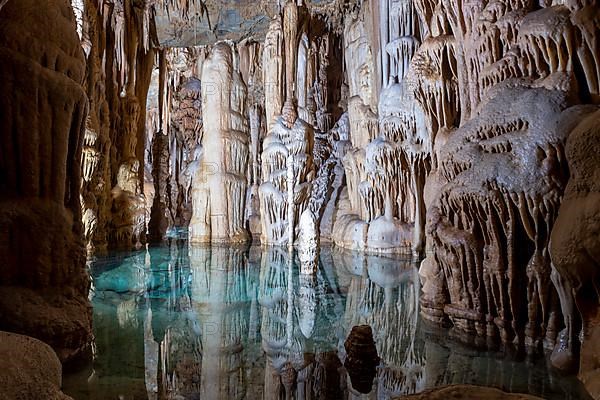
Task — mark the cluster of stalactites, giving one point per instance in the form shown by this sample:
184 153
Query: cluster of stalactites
496 268
489 231
420 98
511 39
286 170
131 24
401 35
296 102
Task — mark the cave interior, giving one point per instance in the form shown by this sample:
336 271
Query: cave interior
299 199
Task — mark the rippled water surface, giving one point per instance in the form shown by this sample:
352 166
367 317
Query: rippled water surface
182 322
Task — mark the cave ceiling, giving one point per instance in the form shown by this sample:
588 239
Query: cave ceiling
196 23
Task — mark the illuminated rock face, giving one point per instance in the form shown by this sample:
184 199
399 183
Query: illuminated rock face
485 219
30 369
116 42
43 281
499 175
219 186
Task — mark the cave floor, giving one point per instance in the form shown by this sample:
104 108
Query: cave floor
187 322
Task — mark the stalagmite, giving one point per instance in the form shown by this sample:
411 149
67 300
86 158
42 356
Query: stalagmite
287 169
219 186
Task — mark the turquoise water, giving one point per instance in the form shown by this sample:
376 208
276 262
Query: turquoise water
181 322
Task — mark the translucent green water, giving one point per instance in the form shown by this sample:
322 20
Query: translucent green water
179 322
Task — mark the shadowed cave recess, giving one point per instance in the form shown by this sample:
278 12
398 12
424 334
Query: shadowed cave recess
310 199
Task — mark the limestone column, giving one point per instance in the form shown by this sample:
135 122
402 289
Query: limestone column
43 281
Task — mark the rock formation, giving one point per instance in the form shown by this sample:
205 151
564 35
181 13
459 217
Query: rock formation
469 392
43 281
574 251
362 359
482 219
287 149
119 59
29 369
219 185
498 179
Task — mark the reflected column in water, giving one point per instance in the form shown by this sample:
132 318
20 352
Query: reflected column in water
384 293
277 321
222 304
298 327
173 348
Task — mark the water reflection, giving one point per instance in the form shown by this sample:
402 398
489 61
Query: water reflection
179 322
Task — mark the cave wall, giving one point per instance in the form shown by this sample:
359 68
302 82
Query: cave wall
43 281
116 38
499 176
574 252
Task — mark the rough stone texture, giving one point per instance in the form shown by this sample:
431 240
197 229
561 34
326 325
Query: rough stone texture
29 369
509 160
468 392
185 23
575 251
43 280
174 131
116 41
195 22
497 180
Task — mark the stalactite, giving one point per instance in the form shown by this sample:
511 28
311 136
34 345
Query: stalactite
118 77
287 158
158 224
477 217
273 71
387 170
